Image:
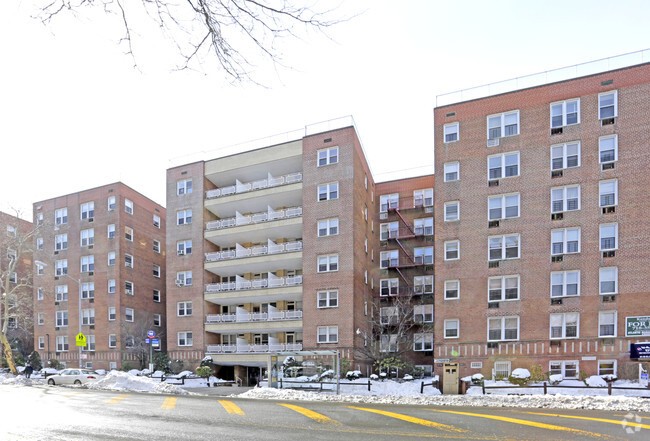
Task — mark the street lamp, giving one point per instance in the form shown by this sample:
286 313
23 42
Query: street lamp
78 282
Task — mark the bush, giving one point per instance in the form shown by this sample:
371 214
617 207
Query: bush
161 362
353 375
478 379
54 364
536 374
520 377
126 366
583 377
203 371
35 360
176 366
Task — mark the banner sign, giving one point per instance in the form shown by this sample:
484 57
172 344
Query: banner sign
637 326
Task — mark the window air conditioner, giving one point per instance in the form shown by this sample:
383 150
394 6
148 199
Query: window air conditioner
180 283
181 253
493 142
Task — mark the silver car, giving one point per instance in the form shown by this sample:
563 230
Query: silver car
73 376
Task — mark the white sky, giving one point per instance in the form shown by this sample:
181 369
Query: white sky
74 114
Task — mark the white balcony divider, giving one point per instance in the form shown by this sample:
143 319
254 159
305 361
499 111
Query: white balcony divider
275 248
273 280
240 219
276 315
243 187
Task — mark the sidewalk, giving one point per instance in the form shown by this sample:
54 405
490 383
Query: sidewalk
218 391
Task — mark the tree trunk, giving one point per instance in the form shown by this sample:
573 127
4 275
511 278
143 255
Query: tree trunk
6 348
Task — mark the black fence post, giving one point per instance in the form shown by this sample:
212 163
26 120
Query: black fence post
368 385
483 386
422 387
545 388
609 388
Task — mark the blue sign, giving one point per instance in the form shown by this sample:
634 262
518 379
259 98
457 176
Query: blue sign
151 334
146 340
639 350
155 341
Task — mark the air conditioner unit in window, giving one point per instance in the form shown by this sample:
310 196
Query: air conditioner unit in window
493 142
56 252
556 301
92 326
607 210
493 305
181 253
557 174
493 183
428 210
418 318
91 219
493 224
494 264
91 273
558 258
609 298
609 253
608 166
180 283
607 121
383 216
556 130
557 216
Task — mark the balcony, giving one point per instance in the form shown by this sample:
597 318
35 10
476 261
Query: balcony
255 218
253 284
253 317
248 348
261 250
240 188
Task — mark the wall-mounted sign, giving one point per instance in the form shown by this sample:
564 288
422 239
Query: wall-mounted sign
637 326
639 350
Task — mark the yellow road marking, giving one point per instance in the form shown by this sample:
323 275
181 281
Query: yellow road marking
231 407
523 422
420 421
602 420
117 399
170 403
311 414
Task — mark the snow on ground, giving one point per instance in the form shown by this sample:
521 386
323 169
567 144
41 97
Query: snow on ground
124 381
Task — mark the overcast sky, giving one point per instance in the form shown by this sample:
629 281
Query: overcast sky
75 114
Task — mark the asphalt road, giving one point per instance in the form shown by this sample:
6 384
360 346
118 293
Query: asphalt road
52 413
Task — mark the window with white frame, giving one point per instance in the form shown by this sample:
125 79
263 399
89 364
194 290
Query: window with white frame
111 203
128 261
112 315
62 343
328 299
40 268
156 246
156 270
157 320
423 313
13 278
41 342
568 369
503 328
606 367
87 237
184 309
87 264
423 341
61 319
328 227
40 318
452 289
328 334
565 198
111 258
452 171
451 132
423 197
608 149
388 230
12 322
565 241
388 201
328 192
128 314
128 206
388 259
156 295
565 155
565 325
87 210
607 324
565 283
184 186
60 242
451 327
184 278
608 193
87 316
328 156
423 226
128 234
112 340
452 211
608 104
88 290
503 124
608 237
129 288
110 231
423 255
328 263
111 286
185 338
40 294
184 217
184 247
422 284
504 247
156 221
61 216
39 243
503 288
452 250
608 280
129 342
388 287
505 165
503 206
565 113
388 343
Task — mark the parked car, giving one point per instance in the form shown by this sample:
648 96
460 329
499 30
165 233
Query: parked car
73 376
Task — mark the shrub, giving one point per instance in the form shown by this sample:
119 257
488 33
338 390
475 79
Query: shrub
353 375
520 377
35 360
161 362
126 366
536 374
176 366
203 371
583 377
477 379
54 364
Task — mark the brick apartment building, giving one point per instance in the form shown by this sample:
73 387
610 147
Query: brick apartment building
101 251
542 226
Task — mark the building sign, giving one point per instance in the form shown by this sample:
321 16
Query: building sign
637 326
640 350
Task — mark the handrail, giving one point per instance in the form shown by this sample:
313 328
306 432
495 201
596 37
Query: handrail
261 184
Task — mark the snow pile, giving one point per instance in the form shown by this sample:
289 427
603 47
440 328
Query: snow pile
18 380
521 373
123 381
595 381
555 378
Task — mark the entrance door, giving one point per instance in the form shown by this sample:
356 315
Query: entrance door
450 379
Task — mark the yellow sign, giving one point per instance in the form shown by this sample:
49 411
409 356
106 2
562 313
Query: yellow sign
81 339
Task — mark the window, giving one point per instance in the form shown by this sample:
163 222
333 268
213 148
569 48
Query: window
111 231
156 270
40 294
111 203
156 221
41 318
423 313
452 328
128 206
503 288
608 149
156 295
60 242
608 105
185 338
184 278
328 263
503 328
39 243
608 237
328 191
452 250
423 342
87 210
112 315
61 267
565 283
388 287
503 207
128 234
504 124
423 197
12 323
608 280
424 226
61 343
452 289
111 258
13 278
565 113
87 316
389 230
184 309
328 299
156 246
39 219
184 187
452 171
503 166
388 343
608 193
328 156
388 201
568 369
184 247
565 198
40 268
565 156
88 290
183 217
61 293
504 247
424 255
128 314
452 211
606 367
61 216
111 286
128 261
388 259
328 227
565 241
157 320
422 284
328 334
128 288
112 340
87 237
607 324
451 132
61 319
564 325
41 342
129 342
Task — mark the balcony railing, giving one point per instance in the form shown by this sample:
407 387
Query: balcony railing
254 317
261 250
255 218
255 185
248 348
254 284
